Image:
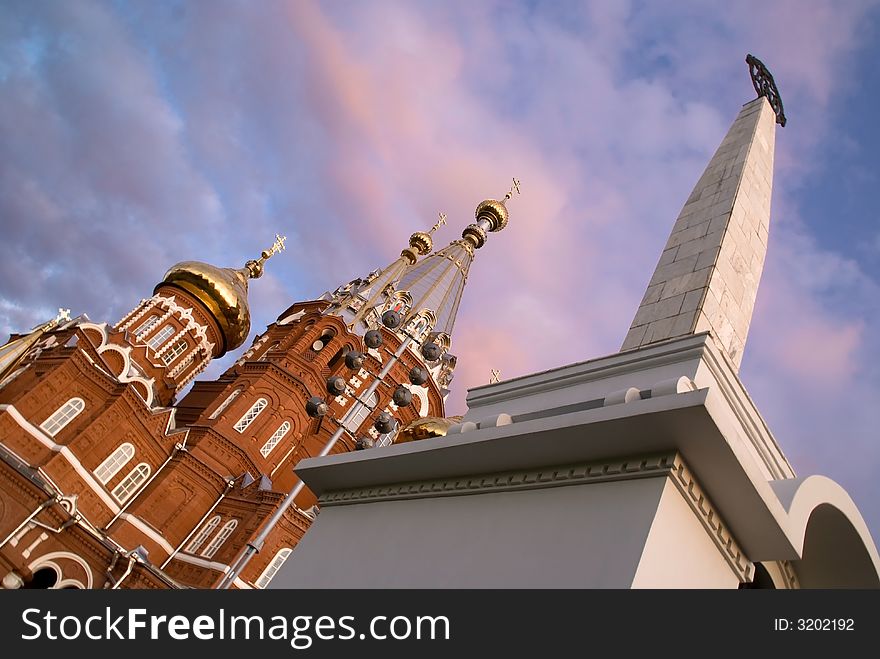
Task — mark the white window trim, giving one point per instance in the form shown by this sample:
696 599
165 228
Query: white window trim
207 530
146 326
59 419
273 567
231 397
160 337
176 351
220 538
249 416
276 437
127 449
134 479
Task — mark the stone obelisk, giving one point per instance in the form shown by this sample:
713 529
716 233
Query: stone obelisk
708 274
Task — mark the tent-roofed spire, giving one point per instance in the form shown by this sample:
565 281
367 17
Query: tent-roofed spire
376 288
14 351
437 283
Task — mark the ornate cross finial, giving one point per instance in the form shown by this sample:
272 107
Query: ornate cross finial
255 266
764 85
495 378
514 190
440 222
63 314
278 245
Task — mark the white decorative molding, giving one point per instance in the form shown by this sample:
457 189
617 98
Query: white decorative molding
49 559
670 465
68 455
292 317
421 392
623 396
680 385
211 565
722 537
147 531
129 371
791 579
507 481
495 421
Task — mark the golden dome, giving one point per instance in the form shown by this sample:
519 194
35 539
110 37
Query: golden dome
494 211
421 242
223 291
425 428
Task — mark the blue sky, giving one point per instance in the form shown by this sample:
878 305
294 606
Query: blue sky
136 135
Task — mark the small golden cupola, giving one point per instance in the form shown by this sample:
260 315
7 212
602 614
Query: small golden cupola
223 292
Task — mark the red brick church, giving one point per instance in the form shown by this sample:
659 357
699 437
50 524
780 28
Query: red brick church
107 480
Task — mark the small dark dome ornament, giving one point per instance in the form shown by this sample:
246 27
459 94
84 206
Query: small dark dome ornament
402 396
418 375
430 351
362 443
764 85
373 338
384 423
354 359
336 385
316 407
391 319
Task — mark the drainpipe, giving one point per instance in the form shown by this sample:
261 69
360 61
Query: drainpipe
131 561
110 568
198 525
40 508
177 448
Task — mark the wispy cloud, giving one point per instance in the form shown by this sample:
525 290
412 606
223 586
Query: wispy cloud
134 136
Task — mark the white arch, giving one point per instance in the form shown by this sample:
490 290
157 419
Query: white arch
819 500
129 374
46 560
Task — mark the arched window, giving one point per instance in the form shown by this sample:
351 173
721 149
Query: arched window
251 414
146 326
129 485
340 354
220 538
160 337
326 336
175 352
274 439
44 578
116 461
353 420
225 404
62 416
207 530
273 567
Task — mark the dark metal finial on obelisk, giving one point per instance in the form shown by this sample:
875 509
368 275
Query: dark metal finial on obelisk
764 85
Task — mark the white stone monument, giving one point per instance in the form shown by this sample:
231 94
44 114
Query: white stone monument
648 468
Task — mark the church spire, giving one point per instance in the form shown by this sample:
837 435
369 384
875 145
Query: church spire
430 289
436 284
420 243
13 353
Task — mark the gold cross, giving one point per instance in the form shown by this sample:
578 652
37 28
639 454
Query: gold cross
278 245
439 223
495 377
